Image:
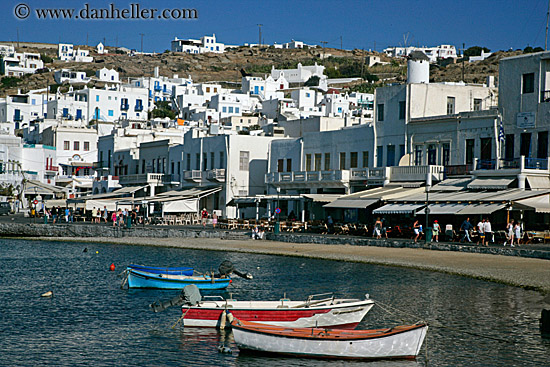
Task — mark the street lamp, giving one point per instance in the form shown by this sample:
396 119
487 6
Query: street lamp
278 211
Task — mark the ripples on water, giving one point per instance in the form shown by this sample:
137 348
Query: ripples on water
91 321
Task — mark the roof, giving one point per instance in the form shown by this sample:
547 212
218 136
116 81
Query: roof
452 184
443 209
541 204
481 209
32 186
418 55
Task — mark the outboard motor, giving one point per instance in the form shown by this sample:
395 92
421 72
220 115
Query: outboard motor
227 268
190 295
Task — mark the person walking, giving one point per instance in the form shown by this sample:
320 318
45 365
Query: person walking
466 226
114 218
105 214
510 233
214 219
416 227
378 228
54 214
488 230
481 232
94 214
204 217
517 233
435 231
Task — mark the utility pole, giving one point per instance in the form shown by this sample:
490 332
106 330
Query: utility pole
260 35
324 43
141 34
546 38
463 48
362 62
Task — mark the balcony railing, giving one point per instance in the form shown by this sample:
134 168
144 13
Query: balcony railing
157 88
486 164
139 108
100 165
509 163
145 178
124 106
307 176
536 163
458 170
416 173
520 163
194 175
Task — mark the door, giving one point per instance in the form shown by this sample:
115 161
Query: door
79 114
256 90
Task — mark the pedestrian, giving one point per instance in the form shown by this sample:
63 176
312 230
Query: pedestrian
204 216
120 217
481 232
54 214
416 227
384 228
466 226
105 214
510 233
214 218
330 224
114 218
94 214
378 228
435 231
517 233
488 230
71 216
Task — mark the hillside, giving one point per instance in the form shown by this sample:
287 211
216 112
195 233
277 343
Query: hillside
227 66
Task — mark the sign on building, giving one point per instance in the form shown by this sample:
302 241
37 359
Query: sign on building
526 120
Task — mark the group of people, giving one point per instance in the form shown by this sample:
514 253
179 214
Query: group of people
58 214
258 233
485 232
205 215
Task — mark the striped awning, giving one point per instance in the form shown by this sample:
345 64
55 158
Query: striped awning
481 209
442 209
490 183
396 208
351 204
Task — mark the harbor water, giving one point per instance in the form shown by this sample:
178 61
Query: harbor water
90 321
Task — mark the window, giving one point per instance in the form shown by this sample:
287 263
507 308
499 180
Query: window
308 162
230 109
197 161
528 85
353 160
450 105
280 165
224 109
327 161
477 104
221 160
244 161
470 145
212 157
542 145
342 160
236 109
97 98
402 110
486 149
318 157
401 151
390 155
207 89
379 156
76 145
289 165
111 113
188 163
86 145
172 167
204 161
66 145
418 155
380 108
525 145
365 159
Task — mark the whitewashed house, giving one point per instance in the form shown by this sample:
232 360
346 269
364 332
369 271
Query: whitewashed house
70 76
20 109
66 52
100 49
301 74
268 88
433 53
107 75
203 45
20 63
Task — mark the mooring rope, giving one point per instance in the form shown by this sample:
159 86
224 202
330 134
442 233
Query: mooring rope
181 318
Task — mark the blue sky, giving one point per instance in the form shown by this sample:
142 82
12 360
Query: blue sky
498 25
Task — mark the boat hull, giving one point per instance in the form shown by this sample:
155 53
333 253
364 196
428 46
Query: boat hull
162 270
142 279
345 314
403 342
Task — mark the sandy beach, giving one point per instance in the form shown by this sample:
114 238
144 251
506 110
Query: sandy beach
522 272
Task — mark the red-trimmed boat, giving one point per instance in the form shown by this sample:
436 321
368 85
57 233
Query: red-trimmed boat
325 312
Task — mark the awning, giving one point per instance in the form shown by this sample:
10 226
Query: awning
32 186
398 209
111 205
490 183
481 209
452 184
536 183
442 209
181 206
351 204
541 204
322 198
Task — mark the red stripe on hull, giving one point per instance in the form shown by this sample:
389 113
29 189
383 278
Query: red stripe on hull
253 315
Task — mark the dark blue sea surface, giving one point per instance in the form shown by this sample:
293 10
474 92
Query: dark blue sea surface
90 321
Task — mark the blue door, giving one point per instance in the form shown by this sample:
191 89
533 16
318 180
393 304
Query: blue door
256 90
65 112
79 114
96 113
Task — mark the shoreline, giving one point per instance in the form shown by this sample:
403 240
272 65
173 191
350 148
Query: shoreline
527 273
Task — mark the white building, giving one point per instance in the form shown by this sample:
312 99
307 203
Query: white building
433 53
11 159
192 46
293 45
267 88
20 63
7 50
66 52
70 76
20 109
107 75
301 74
40 161
100 49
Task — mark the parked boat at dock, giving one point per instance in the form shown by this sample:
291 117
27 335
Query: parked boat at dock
163 270
144 279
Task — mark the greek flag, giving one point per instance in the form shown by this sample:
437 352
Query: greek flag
501 136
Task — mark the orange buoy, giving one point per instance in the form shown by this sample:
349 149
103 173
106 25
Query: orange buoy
112 267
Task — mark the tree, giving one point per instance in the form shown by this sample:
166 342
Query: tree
312 81
162 110
475 51
46 59
529 49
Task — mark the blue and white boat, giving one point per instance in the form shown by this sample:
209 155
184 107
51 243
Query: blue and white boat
143 279
162 270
